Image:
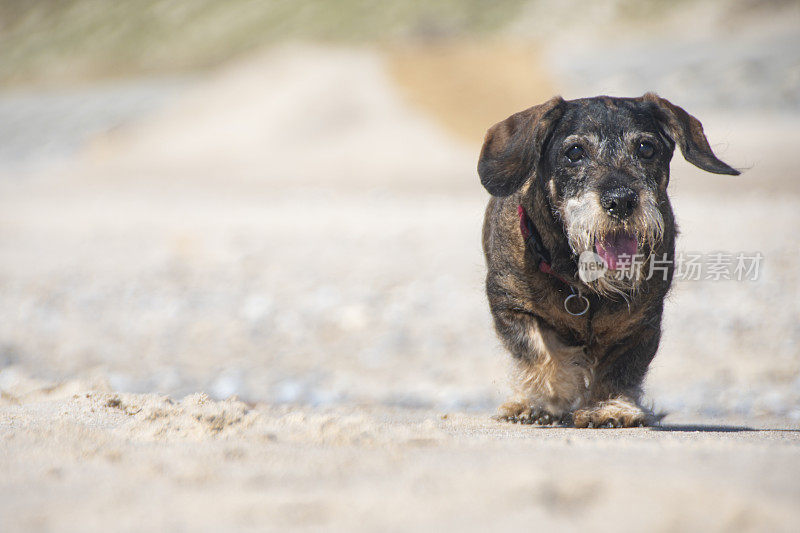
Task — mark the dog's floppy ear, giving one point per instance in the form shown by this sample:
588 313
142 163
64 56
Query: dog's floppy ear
687 132
512 147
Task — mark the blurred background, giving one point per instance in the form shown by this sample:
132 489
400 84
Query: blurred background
278 199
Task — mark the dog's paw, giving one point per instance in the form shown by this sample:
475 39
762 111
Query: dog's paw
614 413
524 413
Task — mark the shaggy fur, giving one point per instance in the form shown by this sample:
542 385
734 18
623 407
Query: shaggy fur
585 370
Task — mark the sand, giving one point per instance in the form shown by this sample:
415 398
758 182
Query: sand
93 460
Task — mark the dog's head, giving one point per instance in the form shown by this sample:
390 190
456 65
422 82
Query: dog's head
602 164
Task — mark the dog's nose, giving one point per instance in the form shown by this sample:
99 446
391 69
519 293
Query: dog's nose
619 201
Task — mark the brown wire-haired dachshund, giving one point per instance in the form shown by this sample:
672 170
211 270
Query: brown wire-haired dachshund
579 240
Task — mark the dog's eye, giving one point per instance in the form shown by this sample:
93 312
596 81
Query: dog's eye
575 153
646 150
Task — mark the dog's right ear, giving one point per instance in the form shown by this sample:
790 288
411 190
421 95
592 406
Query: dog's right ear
512 147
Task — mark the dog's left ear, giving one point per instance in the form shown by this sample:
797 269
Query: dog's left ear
687 132
512 147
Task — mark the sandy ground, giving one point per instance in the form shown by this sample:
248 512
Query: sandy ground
98 461
292 233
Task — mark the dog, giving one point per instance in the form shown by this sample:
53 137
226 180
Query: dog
570 180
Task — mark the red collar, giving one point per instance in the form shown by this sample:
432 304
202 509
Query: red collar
533 242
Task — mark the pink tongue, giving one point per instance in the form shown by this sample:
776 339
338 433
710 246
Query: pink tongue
611 247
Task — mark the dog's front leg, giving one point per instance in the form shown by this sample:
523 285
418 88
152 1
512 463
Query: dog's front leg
615 398
552 378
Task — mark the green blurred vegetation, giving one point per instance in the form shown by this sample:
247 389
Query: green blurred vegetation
69 41
57 41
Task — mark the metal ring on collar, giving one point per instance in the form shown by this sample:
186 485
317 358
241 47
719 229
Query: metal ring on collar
581 297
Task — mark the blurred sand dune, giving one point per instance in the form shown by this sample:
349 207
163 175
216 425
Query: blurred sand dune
296 115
